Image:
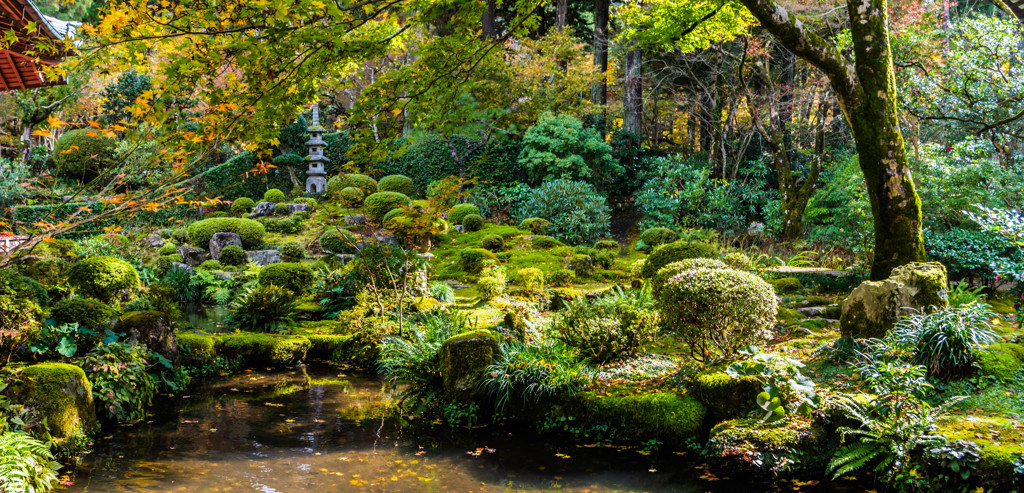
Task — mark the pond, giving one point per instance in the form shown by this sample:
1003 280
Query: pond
209 318
318 429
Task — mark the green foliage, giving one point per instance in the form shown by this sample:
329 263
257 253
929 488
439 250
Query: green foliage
338 241
531 279
972 255
168 249
718 311
103 278
293 251
429 159
669 271
654 237
211 265
83 154
607 245
119 379
87 312
545 242
674 252
786 389
527 374
442 292
839 213
296 277
560 147
738 261
397 183
281 209
577 213
26 464
365 183
263 308
233 255
473 222
458 212
380 203
263 349
274 195
119 96
491 283
493 243
535 225
472 260
582 265
350 196
562 278
250 231
334 187
946 341
608 327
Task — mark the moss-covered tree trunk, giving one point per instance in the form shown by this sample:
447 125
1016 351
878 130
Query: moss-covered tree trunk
866 90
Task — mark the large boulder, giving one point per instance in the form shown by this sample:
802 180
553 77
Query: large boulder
874 307
221 240
193 256
61 394
464 358
152 329
263 209
264 257
293 208
751 447
154 240
355 219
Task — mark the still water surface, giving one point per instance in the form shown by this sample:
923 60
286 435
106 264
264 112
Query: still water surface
317 429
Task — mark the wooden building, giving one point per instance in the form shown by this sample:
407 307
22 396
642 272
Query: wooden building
20 61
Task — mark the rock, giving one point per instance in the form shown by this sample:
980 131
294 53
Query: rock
184 267
874 307
456 284
264 257
223 275
193 256
755 228
811 311
61 394
262 209
751 447
154 240
345 258
724 396
464 358
459 228
221 240
355 220
293 208
152 329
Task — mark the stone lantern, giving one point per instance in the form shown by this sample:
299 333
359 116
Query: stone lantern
316 175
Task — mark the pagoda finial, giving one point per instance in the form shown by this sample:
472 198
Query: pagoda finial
316 114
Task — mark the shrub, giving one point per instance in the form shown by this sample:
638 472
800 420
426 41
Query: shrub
671 270
535 225
718 311
274 195
264 308
333 186
211 265
287 225
26 464
472 260
610 245
103 278
610 326
738 260
164 262
293 276
250 231
577 212
338 241
180 236
654 237
442 292
562 278
351 196
393 213
674 252
397 183
473 222
604 259
460 211
531 279
380 203
582 265
119 379
86 312
559 146
946 342
491 283
493 243
309 202
83 154
293 251
545 242
365 183
233 255
281 209
168 249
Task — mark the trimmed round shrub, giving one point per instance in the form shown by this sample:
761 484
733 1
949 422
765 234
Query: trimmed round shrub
167 249
473 222
249 230
293 251
103 278
531 279
216 214
293 276
164 262
562 278
671 270
233 255
397 183
610 245
211 265
180 236
655 237
582 265
338 241
577 212
493 243
472 260
351 196
281 209
535 225
545 242
87 312
365 183
604 259
674 252
274 195
380 203
83 153
393 213
457 213
739 261
333 186
718 311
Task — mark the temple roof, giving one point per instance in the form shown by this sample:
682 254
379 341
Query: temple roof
20 61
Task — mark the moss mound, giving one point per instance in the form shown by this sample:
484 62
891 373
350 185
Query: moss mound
196 350
264 349
669 418
83 154
380 203
103 278
249 230
365 183
750 446
786 285
397 183
674 252
457 213
62 394
293 276
725 397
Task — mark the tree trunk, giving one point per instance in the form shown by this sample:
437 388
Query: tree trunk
599 90
489 31
633 107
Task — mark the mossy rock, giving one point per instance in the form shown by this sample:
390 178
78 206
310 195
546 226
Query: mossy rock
670 418
464 358
264 349
63 396
152 329
786 285
788 315
329 347
196 350
726 397
1001 442
926 283
750 446
1002 360
832 312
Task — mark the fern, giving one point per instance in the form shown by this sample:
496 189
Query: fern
26 464
853 457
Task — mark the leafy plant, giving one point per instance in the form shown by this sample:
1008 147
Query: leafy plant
441 291
26 464
120 382
332 293
577 212
961 457
961 294
492 281
608 327
786 389
559 146
263 308
943 341
525 374
185 291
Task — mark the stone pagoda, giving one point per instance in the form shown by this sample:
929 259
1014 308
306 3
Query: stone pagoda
316 176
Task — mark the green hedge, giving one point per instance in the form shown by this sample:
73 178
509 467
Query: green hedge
250 231
24 217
